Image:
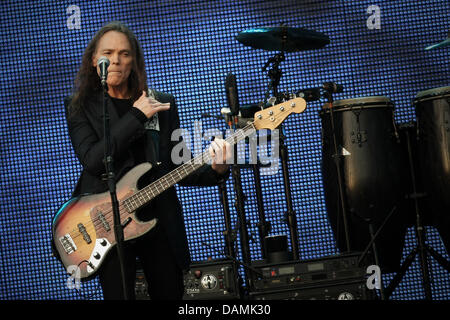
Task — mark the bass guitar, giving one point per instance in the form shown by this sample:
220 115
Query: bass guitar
83 229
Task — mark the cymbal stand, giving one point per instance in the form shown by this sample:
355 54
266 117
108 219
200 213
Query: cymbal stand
275 75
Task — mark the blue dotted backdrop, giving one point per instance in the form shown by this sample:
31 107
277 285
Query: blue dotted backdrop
189 48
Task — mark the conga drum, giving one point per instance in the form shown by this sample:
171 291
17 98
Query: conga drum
373 174
433 131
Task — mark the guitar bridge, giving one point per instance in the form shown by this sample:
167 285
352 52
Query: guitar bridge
68 244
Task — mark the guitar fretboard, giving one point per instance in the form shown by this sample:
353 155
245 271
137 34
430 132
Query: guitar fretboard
146 194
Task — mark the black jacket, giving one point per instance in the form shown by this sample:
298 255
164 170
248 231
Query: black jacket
86 133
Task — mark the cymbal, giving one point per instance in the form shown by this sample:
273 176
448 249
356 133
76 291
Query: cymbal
286 39
442 44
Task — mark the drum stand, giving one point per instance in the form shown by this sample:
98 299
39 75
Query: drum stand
337 160
422 248
371 243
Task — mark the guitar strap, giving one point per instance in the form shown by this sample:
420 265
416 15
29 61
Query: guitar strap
152 132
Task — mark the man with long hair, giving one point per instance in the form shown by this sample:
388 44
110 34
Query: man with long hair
141 128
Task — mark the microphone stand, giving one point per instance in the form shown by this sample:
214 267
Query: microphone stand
230 237
337 160
110 177
263 225
290 215
240 208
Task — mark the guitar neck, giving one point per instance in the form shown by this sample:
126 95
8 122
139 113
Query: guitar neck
269 118
146 194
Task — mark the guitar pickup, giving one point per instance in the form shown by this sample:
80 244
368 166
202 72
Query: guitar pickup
83 231
105 223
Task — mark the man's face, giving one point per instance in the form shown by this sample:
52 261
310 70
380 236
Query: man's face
116 47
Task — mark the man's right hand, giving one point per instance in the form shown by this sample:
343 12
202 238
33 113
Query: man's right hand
149 106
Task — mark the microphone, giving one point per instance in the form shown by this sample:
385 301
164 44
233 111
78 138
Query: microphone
103 64
313 94
232 95
207 115
310 94
225 111
240 121
333 87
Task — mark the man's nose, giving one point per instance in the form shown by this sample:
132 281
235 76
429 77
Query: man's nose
114 58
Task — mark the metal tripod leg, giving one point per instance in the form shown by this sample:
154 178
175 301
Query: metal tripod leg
440 259
419 228
377 262
424 262
400 274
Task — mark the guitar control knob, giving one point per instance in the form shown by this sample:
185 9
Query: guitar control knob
103 242
97 255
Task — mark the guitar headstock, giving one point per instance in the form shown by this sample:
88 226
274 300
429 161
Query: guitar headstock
271 118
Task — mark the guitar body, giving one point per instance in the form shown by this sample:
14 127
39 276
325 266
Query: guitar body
83 228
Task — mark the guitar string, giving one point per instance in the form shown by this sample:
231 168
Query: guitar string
232 138
163 181
95 222
91 225
204 156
